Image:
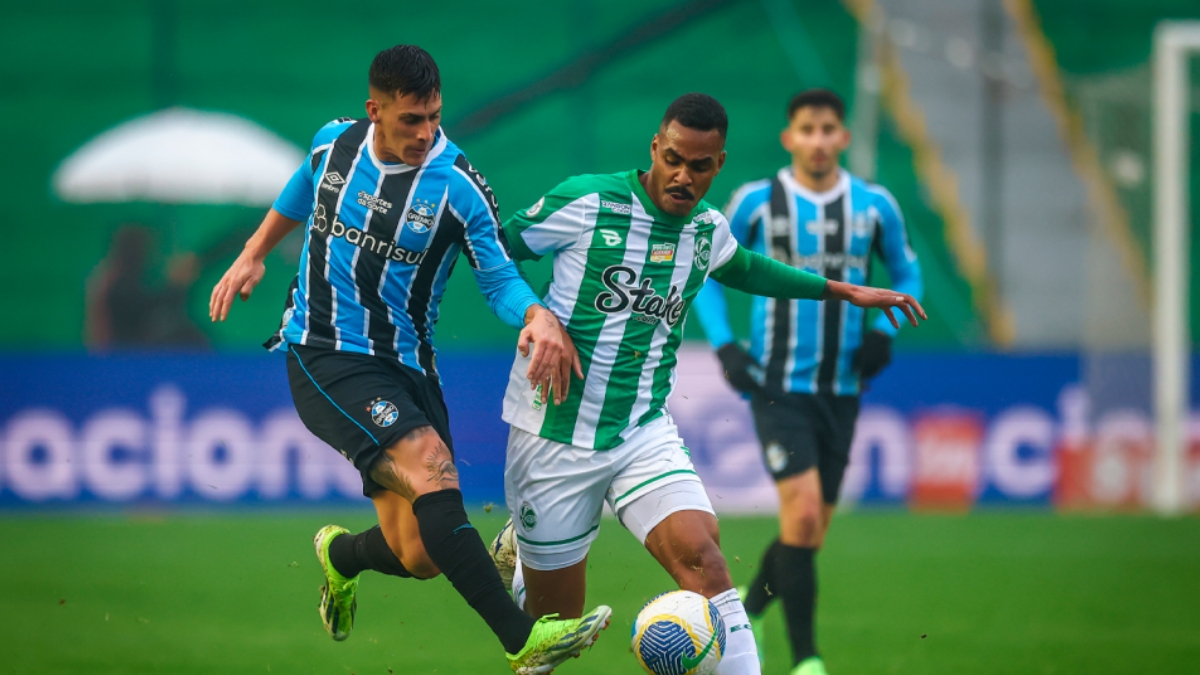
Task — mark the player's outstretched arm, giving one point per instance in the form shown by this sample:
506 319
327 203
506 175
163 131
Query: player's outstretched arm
759 275
245 272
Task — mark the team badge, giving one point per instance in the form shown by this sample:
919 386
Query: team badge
420 216
383 413
777 457
703 251
536 208
528 517
662 253
538 398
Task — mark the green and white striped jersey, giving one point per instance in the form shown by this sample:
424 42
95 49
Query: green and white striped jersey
625 274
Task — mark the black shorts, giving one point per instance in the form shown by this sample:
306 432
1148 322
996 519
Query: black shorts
800 431
361 404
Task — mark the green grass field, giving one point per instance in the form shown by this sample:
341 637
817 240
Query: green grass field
986 593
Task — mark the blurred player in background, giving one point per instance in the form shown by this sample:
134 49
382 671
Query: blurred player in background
630 252
808 362
389 203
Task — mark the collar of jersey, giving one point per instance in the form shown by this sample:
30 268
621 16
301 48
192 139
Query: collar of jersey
400 167
652 209
843 184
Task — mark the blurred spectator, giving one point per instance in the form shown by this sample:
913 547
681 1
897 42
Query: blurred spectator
125 310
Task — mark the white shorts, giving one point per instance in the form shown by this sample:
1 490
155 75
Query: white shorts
556 492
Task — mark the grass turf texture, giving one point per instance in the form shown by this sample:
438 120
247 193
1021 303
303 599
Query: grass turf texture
986 593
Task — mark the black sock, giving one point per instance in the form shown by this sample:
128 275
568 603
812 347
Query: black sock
455 547
795 578
350 554
760 593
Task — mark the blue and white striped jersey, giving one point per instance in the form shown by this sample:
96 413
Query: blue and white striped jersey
381 241
806 346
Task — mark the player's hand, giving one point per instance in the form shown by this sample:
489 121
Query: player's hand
239 280
883 298
873 355
552 362
738 367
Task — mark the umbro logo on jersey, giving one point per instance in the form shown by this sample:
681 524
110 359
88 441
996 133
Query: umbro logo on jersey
536 208
374 203
333 181
616 207
660 253
611 238
705 218
821 228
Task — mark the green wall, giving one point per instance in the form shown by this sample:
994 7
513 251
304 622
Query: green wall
73 69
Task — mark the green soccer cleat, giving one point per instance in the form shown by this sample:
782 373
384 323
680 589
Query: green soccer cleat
756 627
813 665
555 640
338 601
504 553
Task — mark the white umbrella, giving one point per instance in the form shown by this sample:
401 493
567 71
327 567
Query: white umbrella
180 156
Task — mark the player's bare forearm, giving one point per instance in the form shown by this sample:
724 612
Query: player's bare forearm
883 298
245 272
275 226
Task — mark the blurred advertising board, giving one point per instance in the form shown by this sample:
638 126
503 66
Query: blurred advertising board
942 432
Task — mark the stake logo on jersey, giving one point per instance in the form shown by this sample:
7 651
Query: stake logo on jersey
625 292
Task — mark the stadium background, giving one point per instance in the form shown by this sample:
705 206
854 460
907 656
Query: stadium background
140 490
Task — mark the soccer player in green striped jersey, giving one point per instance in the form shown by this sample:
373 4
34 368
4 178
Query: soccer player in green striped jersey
630 252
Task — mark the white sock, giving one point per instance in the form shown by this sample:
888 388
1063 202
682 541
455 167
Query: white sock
518 586
741 654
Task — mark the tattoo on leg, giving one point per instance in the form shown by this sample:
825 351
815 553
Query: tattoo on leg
441 467
386 473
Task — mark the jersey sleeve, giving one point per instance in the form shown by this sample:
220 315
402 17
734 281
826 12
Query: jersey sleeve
472 202
898 256
744 208
724 243
298 198
555 222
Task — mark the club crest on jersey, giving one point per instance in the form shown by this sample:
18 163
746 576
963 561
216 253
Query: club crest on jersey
536 208
703 252
383 413
332 181
420 216
660 253
626 292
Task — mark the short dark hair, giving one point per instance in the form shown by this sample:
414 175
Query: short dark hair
405 70
817 98
698 111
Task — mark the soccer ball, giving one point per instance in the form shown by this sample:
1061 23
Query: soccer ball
679 633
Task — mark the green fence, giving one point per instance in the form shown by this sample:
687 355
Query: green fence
601 74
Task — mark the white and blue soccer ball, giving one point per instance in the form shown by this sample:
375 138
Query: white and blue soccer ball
679 633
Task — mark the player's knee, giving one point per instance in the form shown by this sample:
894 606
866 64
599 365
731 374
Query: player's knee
803 522
702 569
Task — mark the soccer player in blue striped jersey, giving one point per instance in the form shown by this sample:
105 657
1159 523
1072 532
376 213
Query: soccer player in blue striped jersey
808 361
389 202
